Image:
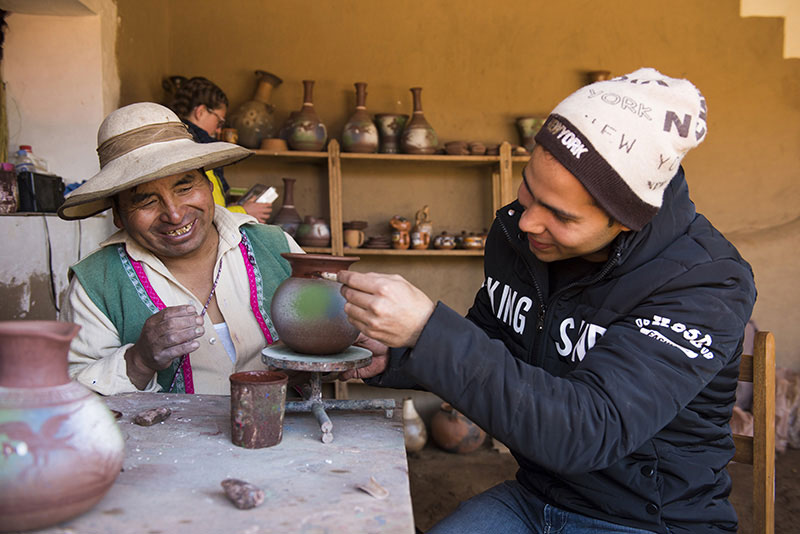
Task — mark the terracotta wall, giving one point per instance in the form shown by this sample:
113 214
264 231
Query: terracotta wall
482 64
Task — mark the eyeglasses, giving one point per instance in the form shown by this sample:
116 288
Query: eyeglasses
220 120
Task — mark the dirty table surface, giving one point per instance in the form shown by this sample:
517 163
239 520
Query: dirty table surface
172 471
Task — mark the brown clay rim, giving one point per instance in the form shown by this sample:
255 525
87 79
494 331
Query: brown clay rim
259 377
58 330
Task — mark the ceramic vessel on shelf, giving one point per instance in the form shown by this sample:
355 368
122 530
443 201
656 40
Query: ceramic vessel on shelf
473 242
390 128
598 76
287 217
62 449
253 120
418 137
422 233
528 127
308 308
314 232
444 241
286 127
306 131
453 432
414 431
401 236
360 134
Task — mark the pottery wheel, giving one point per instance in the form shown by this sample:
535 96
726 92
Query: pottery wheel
282 357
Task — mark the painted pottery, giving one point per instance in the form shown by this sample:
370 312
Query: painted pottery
418 137
444 241
258 404
414 431
360 134
473 242
390 128
401 236
308 308
253 120
313 232
62 449
528 127
286 127
422 233
453 432
306 131
287 217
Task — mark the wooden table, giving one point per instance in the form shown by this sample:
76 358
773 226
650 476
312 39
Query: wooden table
172 471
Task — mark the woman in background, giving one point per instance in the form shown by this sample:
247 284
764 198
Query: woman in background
203 106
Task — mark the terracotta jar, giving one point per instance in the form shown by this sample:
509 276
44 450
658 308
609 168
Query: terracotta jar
360 134
62 449
390 128
313 232
308 308
253 120
453 432
287 217
419 137
306 131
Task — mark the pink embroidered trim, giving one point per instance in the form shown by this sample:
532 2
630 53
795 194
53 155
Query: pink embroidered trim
251 277
188 383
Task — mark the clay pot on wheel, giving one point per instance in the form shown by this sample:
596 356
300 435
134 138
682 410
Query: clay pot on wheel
62 449
453 432
308 308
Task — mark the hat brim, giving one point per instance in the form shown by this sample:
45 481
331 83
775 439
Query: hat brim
145 164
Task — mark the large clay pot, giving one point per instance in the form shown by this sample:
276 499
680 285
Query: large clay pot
308 308
453 432
360 134
61 447
419 137
253 120
390 128
287 217
306 131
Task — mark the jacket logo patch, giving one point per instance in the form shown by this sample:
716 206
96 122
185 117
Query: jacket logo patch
697 339
585 338
511 308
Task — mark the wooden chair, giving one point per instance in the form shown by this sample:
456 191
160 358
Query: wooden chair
759 450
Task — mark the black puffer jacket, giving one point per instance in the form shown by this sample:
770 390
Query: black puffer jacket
613 386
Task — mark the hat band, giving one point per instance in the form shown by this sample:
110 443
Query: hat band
121 144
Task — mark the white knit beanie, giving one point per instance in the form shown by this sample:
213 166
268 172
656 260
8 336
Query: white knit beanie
625 138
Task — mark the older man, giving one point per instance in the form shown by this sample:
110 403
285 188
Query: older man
603 347
179 297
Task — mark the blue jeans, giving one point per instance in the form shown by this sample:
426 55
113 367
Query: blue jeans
508 508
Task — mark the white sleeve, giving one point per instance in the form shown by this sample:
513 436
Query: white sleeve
96 358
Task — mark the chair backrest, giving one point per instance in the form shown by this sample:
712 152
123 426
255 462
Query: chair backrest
759 450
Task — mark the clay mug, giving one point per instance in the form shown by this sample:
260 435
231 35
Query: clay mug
229 135
353 238
258 404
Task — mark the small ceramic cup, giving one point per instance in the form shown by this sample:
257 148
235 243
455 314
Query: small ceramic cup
353 238
258 403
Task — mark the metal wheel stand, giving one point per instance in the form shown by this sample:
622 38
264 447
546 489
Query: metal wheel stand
282 357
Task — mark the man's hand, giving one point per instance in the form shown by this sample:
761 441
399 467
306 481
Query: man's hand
259 210
166 335
380 359
385 307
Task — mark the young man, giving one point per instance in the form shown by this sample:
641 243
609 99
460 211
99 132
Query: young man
178 298
603 347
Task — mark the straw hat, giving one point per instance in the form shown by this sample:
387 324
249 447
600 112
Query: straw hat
137 144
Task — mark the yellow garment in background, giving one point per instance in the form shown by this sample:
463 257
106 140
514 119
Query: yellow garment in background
219 195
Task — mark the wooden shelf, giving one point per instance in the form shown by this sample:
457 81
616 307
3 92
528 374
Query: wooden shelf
294 155
410 252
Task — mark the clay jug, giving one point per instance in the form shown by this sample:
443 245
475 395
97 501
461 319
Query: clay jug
453 432
360 134
62 449
419 137
414 431
287 217
253 120
313 232
422 233
308 308
390 128
528 127
306 131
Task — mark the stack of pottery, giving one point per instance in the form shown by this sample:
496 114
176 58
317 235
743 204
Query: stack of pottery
306 131
253 120
378 241
419 137
308 308
360 134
